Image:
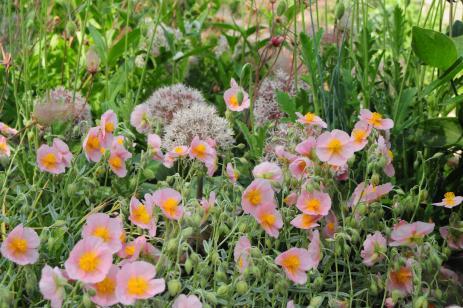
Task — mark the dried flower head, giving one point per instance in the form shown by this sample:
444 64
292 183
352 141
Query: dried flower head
161 37
197 120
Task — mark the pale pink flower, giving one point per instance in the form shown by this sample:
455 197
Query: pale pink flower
154 145
208 204
314 250
169 200
106 289
241 253
290 304
409 234
117 159
184 301
6 130
236 98
174 154
136 281
108 125
375 119
258 193
389 303
232 173
50 160
314 203
295 262
151 252
305 147
283 155
211 166
454 238
21 246
290 199
401 280
4 147
140 119
385 150
107 228
305 221
369 194
93 145
131 250
269 219
331 225
311 119
334 147
89 260
298 167
359 135
141 214
63 149
269 171
450 200
51 285
201 150
374 248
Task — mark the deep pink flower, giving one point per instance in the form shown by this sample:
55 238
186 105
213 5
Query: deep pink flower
140 119
314 203
334 147
154 146
136 281
241 253
50 160
375 119
409 234
107 228
21 246
93 144
295 263
236 98
311 119
298 167
258 193
450 200
268 171
184 301
141 214
374 248
106 289
269 219
51 285
305 147
169 201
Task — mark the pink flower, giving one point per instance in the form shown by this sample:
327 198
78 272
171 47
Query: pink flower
131 250
63 149
172 155
298 167
341 172
305 147
141 214
314 203
136 281
241 253
4 147
208 204
290 199
375 119
51 285
232 173
184 301
331 225
6 130
305 221
168 201
283 155
268 171
454 238
236 98
211 166
311 119
201 150
290 304
108 125
409 234
50 160
107 228
89 260
334 147
21 246
369 194
359 135
140 119
295 263
154 145
386 152
314 250
258 193
269 219
93 145
450 200
117 159
374 248
106 289
401 280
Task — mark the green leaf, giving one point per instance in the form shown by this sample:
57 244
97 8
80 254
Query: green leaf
118 49
287 104
100 43
444 78
433 48
440 133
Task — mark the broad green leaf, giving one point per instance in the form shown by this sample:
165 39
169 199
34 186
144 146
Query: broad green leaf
440 133
433 48
287 104
117 50
100 43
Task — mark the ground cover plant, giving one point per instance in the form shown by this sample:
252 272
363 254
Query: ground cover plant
231 153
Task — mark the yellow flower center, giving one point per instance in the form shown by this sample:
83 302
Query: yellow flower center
178 150
234 101
3 147
291 263
375 119
309 117
330 226
120 140
137 286
170 206
103 233
335 146
200 150
109 127
18 246
130 250
49 160
140 214
307 220
402 276
106 287
301 165
313 205
359 135
115 162
89 261
93 143
241 262
449 198
254 196
268 219
390 154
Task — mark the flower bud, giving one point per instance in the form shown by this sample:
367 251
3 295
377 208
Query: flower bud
375 179
281 8
255 252
241 287
339 10
215 258
222 291
31 281
70 28
149 174
188 265
220 276
210 297
93 61
187 232
316 301
86 301
243 227
277 40
172 245
421 302
174 286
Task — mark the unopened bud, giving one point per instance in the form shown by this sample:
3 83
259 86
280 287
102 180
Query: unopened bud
241 287
174 286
